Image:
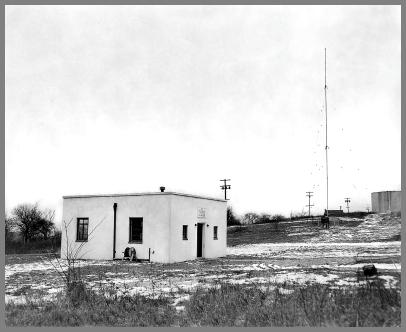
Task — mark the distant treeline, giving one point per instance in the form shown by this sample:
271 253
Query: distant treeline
31 229
263 218
252 218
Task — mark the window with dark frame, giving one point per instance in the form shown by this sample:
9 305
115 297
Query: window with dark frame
135 230
215 232
184 232
82 229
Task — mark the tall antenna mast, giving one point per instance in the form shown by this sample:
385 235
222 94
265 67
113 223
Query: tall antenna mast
325 103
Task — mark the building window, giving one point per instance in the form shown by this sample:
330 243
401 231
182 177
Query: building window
184 232
215 232
135 230
82 229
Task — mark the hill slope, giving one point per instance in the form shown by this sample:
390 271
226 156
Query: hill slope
372 228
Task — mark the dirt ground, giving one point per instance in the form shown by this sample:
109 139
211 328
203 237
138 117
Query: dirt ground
304 253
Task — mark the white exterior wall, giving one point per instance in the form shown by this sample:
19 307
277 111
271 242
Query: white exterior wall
185 212
100 243
154 209
163 217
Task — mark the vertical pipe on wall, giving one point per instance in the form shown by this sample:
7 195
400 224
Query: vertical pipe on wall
114 230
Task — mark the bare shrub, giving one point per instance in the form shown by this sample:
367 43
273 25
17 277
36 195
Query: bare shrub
68 267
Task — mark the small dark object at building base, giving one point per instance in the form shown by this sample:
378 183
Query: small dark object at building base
129 253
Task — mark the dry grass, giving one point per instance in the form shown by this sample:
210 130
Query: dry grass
224 305
36 246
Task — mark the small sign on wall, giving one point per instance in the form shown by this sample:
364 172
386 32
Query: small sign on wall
201 213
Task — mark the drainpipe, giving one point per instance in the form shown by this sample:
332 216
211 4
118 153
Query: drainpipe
114 231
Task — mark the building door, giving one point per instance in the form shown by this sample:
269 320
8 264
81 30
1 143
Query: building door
199 239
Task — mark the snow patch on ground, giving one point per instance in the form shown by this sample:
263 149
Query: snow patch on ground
391 281
302 249
301 233
54 264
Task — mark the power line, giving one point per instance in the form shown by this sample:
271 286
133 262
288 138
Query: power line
309 194
225 187
347 200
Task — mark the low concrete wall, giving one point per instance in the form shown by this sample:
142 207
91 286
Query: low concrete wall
384 201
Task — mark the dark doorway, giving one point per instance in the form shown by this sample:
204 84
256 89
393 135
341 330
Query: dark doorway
199 239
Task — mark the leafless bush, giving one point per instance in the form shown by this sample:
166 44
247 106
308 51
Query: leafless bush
68 267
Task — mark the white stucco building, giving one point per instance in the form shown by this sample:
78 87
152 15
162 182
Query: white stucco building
164 227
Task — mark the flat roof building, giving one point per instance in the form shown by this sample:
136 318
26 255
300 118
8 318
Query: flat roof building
162 226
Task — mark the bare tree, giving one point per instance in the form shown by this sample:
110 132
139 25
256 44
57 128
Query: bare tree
46 224
30 221
27 218
250 218
264 218
9 225
276 218
231 217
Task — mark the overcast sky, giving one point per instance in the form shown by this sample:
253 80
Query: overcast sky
118 99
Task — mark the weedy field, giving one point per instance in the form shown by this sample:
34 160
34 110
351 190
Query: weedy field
297 274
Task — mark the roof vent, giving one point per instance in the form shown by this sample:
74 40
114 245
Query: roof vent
162 189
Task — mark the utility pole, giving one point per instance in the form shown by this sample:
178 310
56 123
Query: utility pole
225 187
325 103
309 194
347 200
